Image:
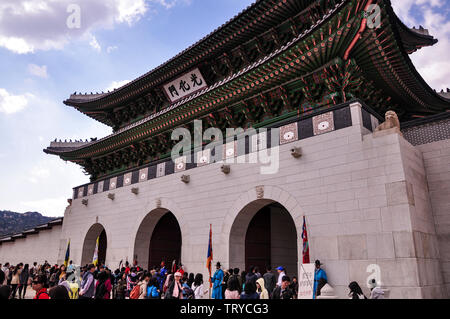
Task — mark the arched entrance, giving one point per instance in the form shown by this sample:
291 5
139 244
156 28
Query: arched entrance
264 234
96 231
158 238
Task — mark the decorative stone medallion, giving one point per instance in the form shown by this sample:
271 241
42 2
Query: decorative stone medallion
259 192
180 164
113 183
127 179
229 150
161 169
259 141
323 123
203 157
91 189
288 133
100 187
143 174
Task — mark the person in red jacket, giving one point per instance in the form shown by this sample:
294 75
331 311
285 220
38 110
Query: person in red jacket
39 285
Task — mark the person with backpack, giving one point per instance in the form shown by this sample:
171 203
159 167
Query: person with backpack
87 290
132 279
152 289
142 286
40 286
103 286
188 293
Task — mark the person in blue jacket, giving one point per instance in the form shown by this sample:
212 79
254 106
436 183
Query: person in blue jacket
152 289
320 279
217 280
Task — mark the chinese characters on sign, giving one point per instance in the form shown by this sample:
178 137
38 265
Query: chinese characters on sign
185 85
306 281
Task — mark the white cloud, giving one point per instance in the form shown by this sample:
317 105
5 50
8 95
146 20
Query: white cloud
116 85
111 49
53 207
39 71
94 44
10 104
27 26
431 62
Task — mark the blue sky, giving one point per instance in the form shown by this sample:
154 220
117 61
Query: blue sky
42 62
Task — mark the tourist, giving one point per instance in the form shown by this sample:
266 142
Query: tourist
39 285
249 291
261 289
103 286
34 270
243 275
152 289
294 286
375 290
5 270
257 273
188 293
355 291
121 286
191 279
2 275
197 286
59 293
251 276
5 292
87 290
168 282
71 267
24 278
61 272
269 280
320 279
237 277
132 280
281 273
283 291
175 290
226 276
217 280
145 278
15 280
233 287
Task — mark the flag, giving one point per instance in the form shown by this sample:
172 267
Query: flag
209 255
95 259
66 260
305 243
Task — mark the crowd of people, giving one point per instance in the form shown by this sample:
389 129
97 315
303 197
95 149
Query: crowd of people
162 282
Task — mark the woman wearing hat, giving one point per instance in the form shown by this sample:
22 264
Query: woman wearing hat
217 280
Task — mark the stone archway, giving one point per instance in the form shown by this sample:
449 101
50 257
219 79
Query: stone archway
245 207
158 238
262 234
96 231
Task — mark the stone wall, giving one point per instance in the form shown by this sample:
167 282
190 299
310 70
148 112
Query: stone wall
365 198
437 166
45 245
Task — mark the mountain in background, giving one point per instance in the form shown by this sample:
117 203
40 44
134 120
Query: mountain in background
11 222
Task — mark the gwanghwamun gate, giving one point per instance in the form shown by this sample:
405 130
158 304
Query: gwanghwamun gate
337 127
